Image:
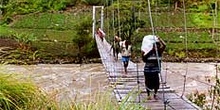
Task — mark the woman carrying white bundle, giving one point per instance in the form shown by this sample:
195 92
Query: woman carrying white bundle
152 48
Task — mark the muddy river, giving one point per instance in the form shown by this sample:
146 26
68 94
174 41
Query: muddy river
74 81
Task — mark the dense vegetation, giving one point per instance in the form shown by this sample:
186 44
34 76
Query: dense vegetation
50 31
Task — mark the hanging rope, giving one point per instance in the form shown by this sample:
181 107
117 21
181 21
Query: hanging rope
215 23
108 31
217 44
113 19
165 102
118 34
186 49
169 22
137 67
150 16
119 30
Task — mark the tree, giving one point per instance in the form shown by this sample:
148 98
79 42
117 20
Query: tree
82 38
125 19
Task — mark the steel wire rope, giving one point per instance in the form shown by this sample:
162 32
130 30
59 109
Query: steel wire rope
102 51
115 62
214 87
108 27
213 33
118 19
186 49
113 18
185 76
118 8
109 32
215 23
186 46
166 67
137 66
1 10
165 102
152 28
110 67
163 81
208 84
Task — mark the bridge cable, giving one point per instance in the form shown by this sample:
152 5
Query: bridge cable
169 22
137 66
186 49
107 14
217 44
113 19
114 33
119 28
165 102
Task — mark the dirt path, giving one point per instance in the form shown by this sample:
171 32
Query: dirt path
78 82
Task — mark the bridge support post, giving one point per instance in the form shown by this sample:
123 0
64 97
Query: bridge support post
101 19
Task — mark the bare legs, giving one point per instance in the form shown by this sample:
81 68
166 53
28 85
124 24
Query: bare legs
125 66
115 53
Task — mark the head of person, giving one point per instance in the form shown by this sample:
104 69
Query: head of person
127 43
117 38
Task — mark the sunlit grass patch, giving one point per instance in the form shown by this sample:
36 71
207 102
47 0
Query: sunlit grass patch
5 31
18 94
58 21
106 101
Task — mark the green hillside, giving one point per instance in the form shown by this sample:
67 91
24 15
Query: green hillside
50 32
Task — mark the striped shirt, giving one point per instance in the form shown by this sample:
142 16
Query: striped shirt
152 62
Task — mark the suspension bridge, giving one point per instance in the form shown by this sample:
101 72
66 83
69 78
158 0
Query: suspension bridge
131 88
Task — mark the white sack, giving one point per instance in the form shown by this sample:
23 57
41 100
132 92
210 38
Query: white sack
148 42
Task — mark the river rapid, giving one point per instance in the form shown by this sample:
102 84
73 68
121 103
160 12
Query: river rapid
80 82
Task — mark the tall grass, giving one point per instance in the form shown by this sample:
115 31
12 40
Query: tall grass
106 101
18 94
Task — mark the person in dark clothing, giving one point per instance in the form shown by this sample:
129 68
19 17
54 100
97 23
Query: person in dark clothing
152 59
116 47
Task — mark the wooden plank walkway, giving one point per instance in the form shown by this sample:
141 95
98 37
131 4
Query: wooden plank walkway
131 88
